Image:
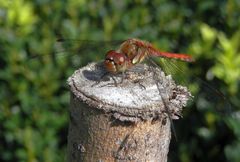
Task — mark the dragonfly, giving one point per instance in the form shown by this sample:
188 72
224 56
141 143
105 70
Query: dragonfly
134 51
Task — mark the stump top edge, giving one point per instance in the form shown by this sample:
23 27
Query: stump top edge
136 97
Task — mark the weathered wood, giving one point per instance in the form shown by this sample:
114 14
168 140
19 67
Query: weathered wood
127 122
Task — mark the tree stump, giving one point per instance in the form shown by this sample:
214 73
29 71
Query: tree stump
122 121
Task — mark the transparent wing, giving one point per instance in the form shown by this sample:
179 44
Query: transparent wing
79 52
207 97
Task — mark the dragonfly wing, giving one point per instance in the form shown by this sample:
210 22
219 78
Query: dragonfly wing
206 95
79 51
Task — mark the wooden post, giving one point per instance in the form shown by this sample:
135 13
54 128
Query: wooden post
127 122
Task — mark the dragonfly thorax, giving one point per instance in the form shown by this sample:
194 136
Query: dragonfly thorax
136 50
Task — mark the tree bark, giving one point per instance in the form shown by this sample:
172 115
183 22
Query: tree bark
127 121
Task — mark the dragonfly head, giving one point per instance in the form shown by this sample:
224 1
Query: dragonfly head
115 62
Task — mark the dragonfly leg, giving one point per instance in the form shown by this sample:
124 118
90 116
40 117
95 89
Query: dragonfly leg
115 83
140 84
122 77
109 84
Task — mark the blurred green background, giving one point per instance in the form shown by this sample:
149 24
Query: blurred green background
34 100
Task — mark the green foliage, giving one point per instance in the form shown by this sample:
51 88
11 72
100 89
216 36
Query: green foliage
227 67
33 97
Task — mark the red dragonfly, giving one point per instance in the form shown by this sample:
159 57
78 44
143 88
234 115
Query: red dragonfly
134 51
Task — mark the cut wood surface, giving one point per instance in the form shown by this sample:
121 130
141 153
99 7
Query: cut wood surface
122 118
